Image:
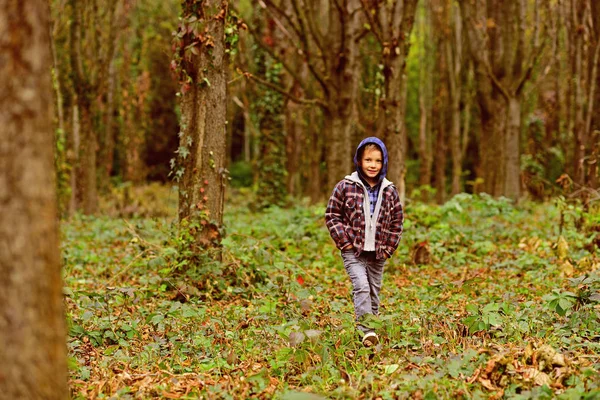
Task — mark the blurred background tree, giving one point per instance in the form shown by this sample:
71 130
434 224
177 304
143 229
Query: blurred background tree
492 97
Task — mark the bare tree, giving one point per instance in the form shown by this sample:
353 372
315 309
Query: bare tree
32 331
324 34
505 54
391 23
582 46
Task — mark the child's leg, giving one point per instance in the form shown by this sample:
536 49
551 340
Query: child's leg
356 267
375 276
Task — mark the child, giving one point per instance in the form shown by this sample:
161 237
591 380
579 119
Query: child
364 217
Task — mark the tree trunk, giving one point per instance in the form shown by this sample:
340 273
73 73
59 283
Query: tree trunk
440 126
32 329
512 154
395 129
424 142
339 149
75 140
341 115
453 48
85 189
294 147
393 26
425 96
203 119
491 145
505 59
314 186
108 148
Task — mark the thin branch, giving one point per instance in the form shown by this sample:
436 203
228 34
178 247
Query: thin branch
285 64
307 54
375 28
495 81
269 5
527 74
320 36
317 37
287 94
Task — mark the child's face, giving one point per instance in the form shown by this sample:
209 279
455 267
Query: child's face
371 163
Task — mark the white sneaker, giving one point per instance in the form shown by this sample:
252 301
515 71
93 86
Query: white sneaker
370 339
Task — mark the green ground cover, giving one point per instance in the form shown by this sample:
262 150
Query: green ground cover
505 304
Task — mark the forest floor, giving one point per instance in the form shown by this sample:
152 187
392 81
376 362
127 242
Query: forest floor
506 305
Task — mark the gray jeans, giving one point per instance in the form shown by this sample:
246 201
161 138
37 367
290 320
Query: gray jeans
366 274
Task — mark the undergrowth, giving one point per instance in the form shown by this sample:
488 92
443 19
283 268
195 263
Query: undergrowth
506 306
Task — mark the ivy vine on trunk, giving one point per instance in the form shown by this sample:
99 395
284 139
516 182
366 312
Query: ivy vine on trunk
201 60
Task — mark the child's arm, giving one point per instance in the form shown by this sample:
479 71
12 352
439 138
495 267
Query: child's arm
396 225
334 217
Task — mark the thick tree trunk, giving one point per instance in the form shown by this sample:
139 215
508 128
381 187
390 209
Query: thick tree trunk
203 120
341 115
86 192
504 60
395 128
491 148
339 149
85 189
395 22
32 329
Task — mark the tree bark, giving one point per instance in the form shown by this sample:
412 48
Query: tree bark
203 119
85 189
32 331
425 96
512 175
453 48
343 91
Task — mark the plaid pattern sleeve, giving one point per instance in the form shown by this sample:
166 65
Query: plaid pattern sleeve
334 217
396 224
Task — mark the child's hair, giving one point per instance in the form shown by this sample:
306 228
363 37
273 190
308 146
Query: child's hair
370 146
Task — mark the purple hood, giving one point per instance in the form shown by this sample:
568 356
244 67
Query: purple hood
381 145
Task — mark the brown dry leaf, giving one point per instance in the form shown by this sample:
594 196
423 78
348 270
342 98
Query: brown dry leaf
538 377
549 357
486 383
171 395
566 269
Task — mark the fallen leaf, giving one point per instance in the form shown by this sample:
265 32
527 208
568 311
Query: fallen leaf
562 248
296 338
538 377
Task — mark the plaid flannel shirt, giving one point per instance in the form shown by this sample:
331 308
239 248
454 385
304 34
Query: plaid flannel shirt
346 222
